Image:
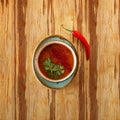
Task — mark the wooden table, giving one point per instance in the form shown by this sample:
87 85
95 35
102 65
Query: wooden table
94 94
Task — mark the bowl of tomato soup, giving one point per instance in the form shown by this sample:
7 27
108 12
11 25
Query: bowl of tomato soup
55 61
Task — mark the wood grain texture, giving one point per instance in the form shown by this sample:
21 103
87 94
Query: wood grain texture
94 94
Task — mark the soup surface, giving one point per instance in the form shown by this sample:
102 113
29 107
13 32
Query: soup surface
59 54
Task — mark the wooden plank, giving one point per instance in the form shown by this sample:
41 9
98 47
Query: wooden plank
7 59
32 102
108 77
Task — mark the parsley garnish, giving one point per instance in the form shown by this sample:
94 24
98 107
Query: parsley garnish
53 70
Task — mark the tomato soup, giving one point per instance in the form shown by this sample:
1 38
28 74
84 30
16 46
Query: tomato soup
59 54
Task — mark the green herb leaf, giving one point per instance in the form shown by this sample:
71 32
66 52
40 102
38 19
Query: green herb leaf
53 70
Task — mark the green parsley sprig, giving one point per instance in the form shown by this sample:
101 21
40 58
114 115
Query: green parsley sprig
53 70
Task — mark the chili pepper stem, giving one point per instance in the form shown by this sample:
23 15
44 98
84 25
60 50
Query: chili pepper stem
67 29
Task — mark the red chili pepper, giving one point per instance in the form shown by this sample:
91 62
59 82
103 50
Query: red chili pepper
80 37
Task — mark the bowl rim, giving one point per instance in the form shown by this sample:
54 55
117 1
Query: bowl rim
37 52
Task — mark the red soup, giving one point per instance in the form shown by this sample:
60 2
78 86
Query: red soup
59 54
